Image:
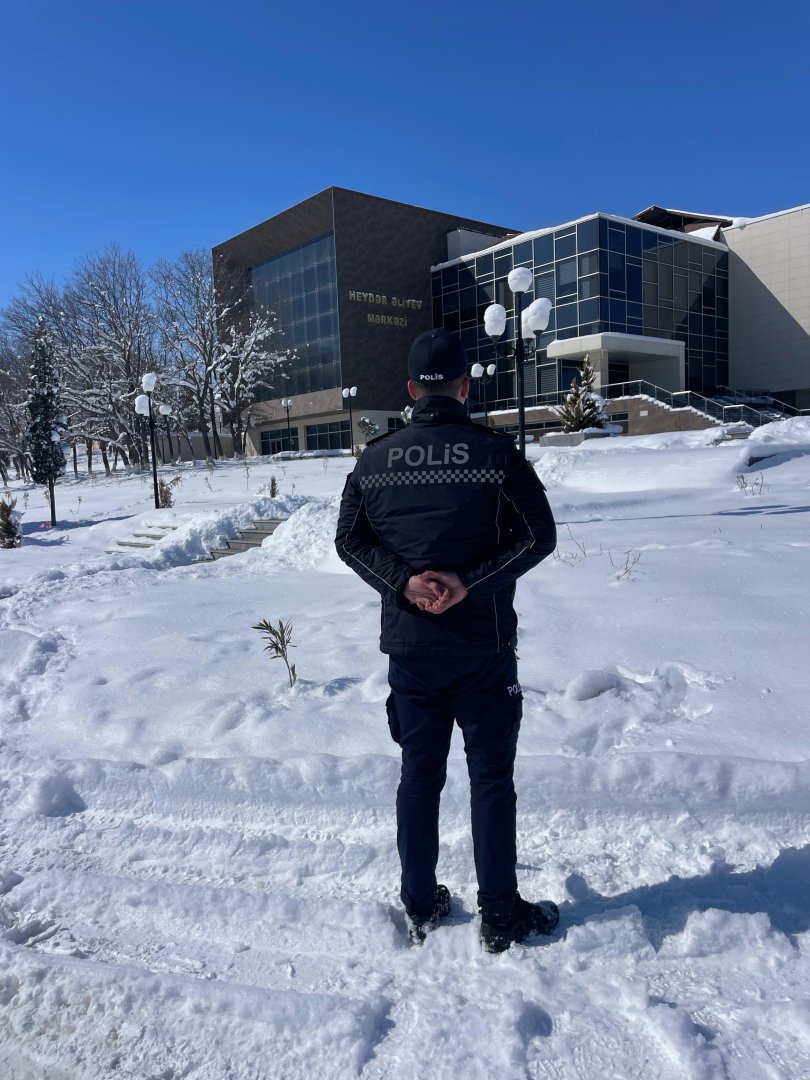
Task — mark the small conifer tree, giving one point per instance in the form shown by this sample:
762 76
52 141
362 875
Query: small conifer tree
46 422
10 532
368 427
581 408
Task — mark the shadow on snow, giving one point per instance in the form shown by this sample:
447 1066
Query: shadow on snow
781 891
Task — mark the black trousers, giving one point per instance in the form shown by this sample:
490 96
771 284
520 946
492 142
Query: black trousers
482 695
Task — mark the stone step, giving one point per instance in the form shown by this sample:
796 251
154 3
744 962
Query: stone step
267 525
238 544
219 553
150 536
132 543
254 535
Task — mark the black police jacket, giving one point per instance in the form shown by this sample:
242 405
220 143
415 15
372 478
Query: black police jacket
444 493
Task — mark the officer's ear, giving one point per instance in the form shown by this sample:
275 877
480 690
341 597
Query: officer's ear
412 390
465 389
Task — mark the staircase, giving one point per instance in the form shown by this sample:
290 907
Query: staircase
143 539
732 408
249 538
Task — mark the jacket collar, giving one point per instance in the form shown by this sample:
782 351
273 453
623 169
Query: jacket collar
437 409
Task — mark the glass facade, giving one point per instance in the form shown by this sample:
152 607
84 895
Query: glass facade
602 276
301 286
273 442
331 436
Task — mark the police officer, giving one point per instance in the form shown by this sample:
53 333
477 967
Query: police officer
441 517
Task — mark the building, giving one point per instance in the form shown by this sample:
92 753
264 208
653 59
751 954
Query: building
769 327
349 276
645 303
674 308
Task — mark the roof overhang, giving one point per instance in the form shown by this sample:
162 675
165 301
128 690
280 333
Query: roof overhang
680 220
628 344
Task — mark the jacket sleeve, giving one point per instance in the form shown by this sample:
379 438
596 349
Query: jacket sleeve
359 547
528 529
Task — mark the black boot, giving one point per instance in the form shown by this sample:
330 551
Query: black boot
499 931
419 926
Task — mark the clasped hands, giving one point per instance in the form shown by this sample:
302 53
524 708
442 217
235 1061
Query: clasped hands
434 591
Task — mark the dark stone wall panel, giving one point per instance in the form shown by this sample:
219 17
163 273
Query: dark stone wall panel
384 253
289 229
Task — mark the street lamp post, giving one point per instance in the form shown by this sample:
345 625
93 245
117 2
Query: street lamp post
534 320
143 406
350 392
478 371
286 404
520 281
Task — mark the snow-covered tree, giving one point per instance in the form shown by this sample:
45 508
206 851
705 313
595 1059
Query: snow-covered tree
103 331
219 351
13 413
581 408
47 422
368 427
251 353
187 317
107 304
10 531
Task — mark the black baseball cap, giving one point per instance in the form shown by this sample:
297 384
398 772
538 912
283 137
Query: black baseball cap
437 356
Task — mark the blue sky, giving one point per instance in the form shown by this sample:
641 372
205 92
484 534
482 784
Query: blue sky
163 126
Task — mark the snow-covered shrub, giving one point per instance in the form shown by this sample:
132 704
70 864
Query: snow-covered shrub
368 427
165 493
10 531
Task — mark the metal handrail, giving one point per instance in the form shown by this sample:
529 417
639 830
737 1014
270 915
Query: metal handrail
725 412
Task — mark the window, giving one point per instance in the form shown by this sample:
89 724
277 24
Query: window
587 235
681 291
301 285
589 311
484 265
616 271
544 285
565 244
566 278
616 237
588 287
633 241
468 305
522 253
273 442
589 264
332 436
543 249
633 282
466 276
503 294
665 283
566 315
503 264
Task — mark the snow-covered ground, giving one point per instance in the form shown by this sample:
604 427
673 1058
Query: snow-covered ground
198 873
